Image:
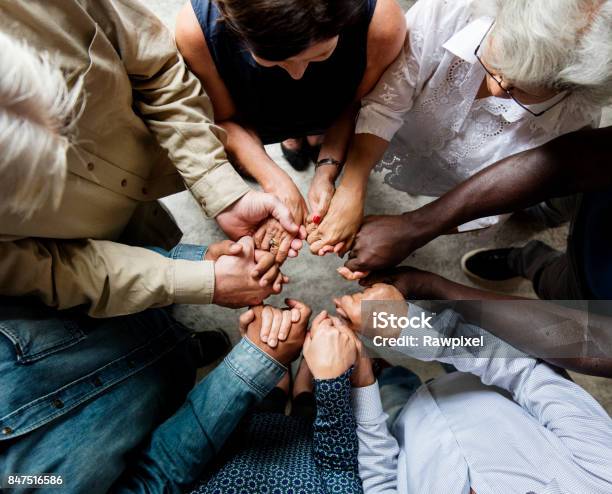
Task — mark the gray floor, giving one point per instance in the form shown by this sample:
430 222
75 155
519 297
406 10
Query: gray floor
314 280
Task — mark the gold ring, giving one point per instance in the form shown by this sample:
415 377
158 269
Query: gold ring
273 243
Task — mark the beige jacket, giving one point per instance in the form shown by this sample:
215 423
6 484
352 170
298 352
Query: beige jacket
145 116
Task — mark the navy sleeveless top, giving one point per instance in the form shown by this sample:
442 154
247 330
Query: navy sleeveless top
267 99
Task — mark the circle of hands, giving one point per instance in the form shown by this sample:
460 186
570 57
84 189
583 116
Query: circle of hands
266 231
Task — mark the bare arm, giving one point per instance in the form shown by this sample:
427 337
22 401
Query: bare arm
242 145
577 162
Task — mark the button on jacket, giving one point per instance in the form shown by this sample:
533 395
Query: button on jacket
144 131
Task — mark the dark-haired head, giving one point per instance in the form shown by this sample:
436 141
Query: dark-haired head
280 30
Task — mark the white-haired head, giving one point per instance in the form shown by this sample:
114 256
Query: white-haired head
553 44
35 109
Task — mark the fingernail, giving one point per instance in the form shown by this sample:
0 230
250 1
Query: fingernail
264 338
316 219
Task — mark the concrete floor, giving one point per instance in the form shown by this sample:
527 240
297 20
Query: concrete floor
314 280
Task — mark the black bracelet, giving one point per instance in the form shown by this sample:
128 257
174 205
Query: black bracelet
329 161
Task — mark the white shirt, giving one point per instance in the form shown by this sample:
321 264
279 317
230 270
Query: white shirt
426 105
512 425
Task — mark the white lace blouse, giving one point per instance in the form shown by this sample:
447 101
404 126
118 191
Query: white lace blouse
426 105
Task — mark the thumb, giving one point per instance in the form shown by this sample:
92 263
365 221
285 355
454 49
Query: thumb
247 247
354 264
275 208
322 206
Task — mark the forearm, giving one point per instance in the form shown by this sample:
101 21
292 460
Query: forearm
181 447
336 461
573 163
247 152
338 137
439 288
378 449
171 102
366 150
111 279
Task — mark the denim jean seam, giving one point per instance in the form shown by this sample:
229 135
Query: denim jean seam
88 396
263 358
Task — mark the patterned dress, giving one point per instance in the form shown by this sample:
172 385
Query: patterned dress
271 453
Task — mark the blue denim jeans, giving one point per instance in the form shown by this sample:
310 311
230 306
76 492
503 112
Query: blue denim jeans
106 403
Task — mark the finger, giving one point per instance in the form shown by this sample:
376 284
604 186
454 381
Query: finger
285 326
346 273
292 253
259 236
267 318
248 247
295 315
265 260
317 245
296 244
376 277
275 329
317 321
278 210
339 246
302 232
310 227
283 249
304 309
338 323
245 319
277 287
322 207
269 276
326 250
355 265
267 240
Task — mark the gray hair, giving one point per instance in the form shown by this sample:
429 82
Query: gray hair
554 44
36 107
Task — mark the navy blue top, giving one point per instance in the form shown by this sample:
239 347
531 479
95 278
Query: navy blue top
593 236
267 99
275 454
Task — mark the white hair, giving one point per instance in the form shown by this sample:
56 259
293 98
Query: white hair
36 107
553 44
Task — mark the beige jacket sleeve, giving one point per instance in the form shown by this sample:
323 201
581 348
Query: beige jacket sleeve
112 279
171 101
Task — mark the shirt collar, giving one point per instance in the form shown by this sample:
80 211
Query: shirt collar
463 43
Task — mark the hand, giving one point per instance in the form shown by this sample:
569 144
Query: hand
321 191
245 216
265 270
271 236
285 189
412 283
385 241
337 231
288 350
238 278
223 248
363 374
330 348
349 306
275 323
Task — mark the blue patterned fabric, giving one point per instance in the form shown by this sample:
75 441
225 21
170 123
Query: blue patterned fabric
275 454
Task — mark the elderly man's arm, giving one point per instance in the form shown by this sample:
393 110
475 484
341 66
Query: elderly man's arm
110 278
171 102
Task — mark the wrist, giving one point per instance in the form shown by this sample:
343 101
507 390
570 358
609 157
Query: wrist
327 172
355 189
274 179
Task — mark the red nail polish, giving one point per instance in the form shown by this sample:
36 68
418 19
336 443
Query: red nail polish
316 219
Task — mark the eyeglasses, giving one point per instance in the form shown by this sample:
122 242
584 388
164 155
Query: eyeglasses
506 90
